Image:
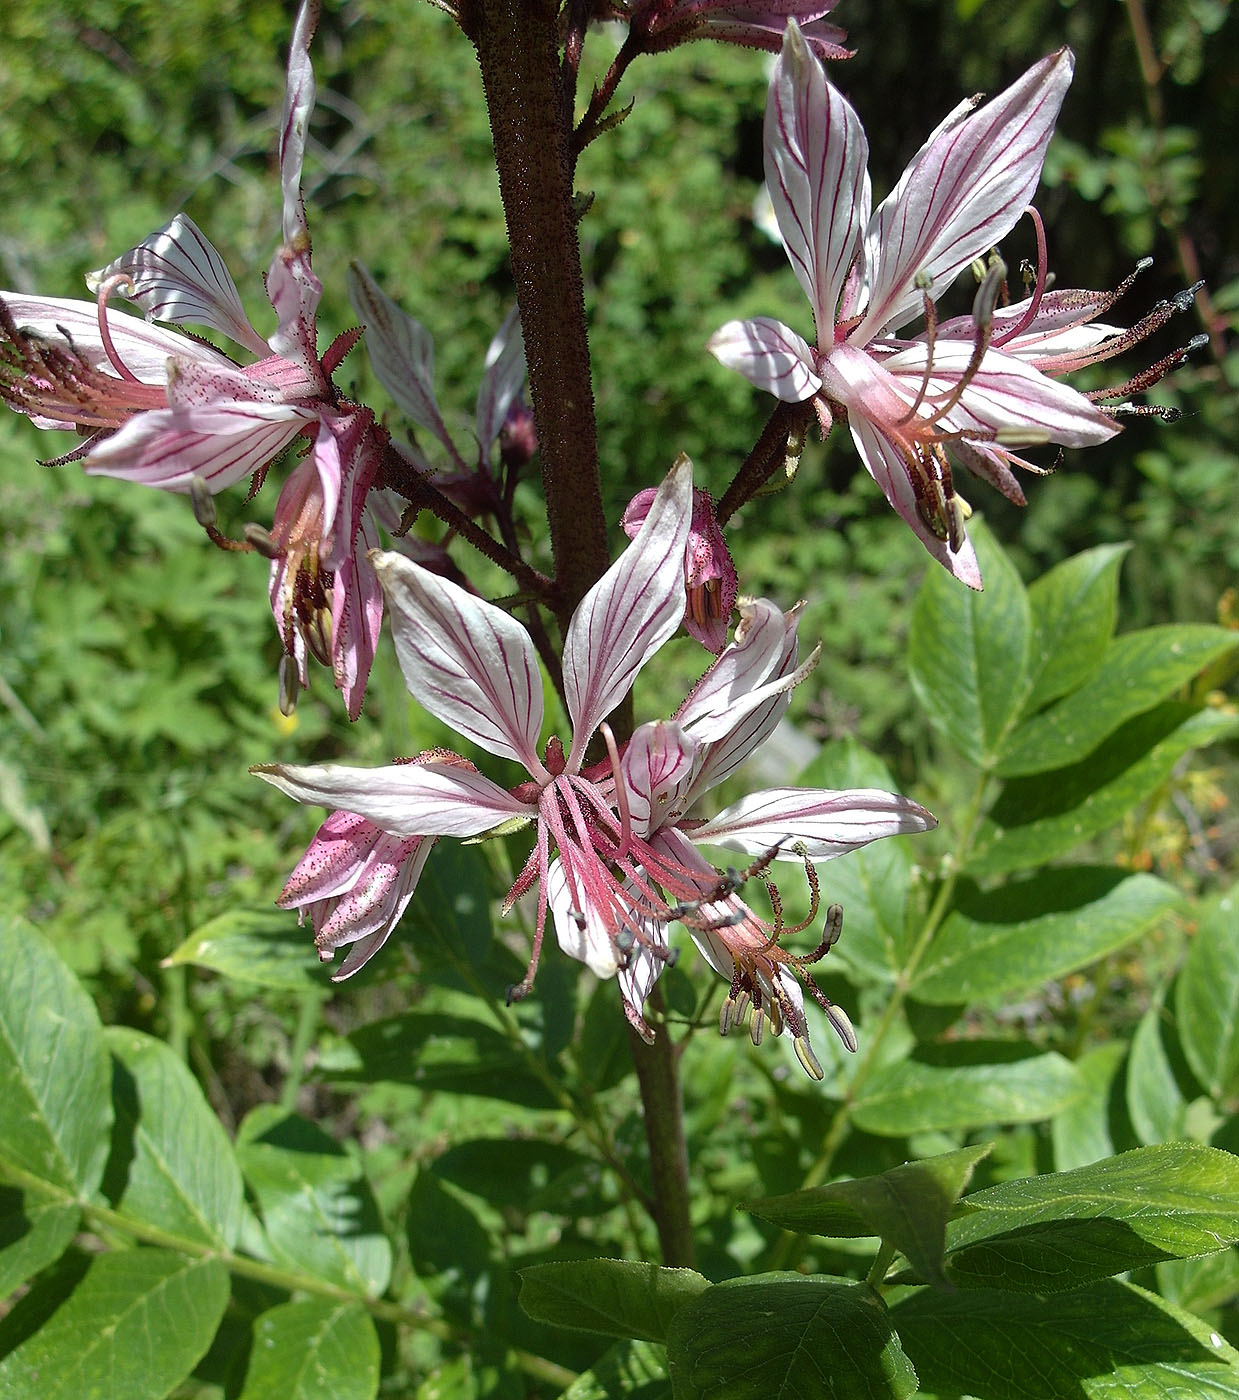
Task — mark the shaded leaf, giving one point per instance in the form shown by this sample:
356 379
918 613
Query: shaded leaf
453 1054
451 906
965 1084
313 1350
996 942
1155 1102
263 948
1047 1233
55 1109
629 1370
968 653
618 1297
1081 1131
1112 1341
1073 608
526 1173
789 1336
33 1234
908 1206
183 1175
135 1326
318 1210
1139 670
1039 818
1207 998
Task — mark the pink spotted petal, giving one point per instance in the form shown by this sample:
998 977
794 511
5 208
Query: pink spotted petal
816 155
468 662
962 192
770 355
657 765
405 799
177 275
629 613
220 444
827 823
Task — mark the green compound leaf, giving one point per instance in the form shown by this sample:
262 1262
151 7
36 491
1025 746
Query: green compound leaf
1056 1232
260 947
629 1370
787 1337
618 1297
1073 608
134 1327
1039 818
313 1350
1112 1341
1139 670
33 1234
996 942
183 1175
1207 998
318 1210
55 1105
909 1206
967 1084
968 653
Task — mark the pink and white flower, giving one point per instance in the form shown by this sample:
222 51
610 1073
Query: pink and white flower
170 411
972 390
613 854
759 24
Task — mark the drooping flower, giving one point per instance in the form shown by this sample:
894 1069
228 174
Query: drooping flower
170 411
759 24
709 572
612 855
909 401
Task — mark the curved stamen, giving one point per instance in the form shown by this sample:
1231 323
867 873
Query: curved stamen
1034 303
121 279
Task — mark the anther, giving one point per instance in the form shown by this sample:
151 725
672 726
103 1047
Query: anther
202 501
290 685
843 1026
726 1018
261 539
741 1008
624 938
757 1026
810 1062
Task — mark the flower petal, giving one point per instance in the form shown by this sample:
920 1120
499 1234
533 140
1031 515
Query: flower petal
629 613
827 823
468 662
299 95
220 444
405 799
885 463
401 351
816 154
584 934
770 355
143 350
656 764
178 276
961 193
502 379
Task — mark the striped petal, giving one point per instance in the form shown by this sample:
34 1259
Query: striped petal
770 355
828 823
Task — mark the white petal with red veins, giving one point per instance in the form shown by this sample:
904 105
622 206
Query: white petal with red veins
770 355
827 823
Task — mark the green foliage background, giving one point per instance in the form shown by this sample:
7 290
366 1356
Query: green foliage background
137 664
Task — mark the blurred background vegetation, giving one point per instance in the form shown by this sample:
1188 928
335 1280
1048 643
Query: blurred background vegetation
137 664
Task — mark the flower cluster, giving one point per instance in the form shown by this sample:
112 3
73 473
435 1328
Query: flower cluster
170 411
614 854
971 389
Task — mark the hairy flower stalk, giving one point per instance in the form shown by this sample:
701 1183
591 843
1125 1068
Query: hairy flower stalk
168 410
971 390
614 856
